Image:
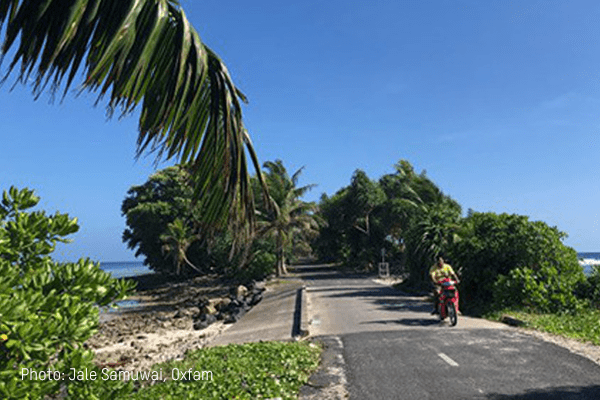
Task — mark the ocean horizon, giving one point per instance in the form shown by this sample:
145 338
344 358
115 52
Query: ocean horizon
124 269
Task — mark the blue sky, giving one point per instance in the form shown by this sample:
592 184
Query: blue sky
498 101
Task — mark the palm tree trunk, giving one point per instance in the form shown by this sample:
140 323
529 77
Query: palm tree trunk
280 259
283 267
189 263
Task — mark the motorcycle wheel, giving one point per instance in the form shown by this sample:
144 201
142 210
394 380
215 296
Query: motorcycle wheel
452 314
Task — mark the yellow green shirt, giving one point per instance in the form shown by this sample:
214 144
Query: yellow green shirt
437 274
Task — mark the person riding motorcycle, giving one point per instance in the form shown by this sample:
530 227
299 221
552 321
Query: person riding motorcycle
437 272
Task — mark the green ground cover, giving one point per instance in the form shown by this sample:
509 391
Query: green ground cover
582 325
250 371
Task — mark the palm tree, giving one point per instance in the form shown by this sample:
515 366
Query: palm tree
176 242
289 217
144 51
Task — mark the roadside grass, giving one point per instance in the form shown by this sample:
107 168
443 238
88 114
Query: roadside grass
584 325
251 371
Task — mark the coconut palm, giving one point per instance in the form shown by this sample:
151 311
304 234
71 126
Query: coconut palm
143 51
176 242
289 218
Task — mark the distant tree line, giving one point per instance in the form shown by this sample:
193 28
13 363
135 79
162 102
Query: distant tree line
503 260
165 226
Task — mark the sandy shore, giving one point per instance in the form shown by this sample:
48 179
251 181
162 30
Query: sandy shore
160 326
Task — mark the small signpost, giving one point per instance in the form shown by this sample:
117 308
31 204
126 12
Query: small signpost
384 268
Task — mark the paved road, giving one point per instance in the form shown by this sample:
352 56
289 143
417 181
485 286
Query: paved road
339 304
394 349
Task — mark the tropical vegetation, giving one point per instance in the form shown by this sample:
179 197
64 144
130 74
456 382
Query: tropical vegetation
288 220
144 51
404 214
209 214
509 261
265 370
48 309
164 226
504 261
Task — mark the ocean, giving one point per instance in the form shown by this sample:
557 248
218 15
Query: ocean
125 269
587 260
122 269
134 268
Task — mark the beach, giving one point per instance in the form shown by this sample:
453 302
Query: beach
160 324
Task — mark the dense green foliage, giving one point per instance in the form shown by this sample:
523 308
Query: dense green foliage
252 371
590 288
404 213
508 261
47 309
502 260
154 211
286 220
164 225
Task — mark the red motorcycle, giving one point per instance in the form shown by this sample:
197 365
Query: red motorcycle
448 301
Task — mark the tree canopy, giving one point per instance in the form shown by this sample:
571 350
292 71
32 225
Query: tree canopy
164 225
389 213
288 219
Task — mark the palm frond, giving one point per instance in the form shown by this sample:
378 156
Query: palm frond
144 51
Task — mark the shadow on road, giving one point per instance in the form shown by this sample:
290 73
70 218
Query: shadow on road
325 272
384 297
406 322
559 393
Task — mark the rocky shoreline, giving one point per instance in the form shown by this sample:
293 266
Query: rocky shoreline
168 319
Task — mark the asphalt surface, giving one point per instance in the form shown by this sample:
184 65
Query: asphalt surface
392 348
340 304
464 364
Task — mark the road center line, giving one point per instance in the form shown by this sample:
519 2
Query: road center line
448 359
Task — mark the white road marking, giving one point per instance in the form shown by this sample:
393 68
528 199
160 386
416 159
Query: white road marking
448 359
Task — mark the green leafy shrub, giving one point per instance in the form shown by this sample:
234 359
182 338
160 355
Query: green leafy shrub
47 309
264 370
589 289
494 245
540 289
262 265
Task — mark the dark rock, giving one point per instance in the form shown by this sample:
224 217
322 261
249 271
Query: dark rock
512 321
203 301
255 299
206 320
235 316
210 318
198 325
